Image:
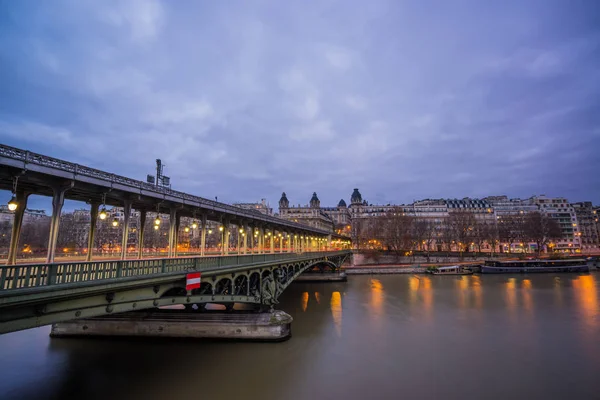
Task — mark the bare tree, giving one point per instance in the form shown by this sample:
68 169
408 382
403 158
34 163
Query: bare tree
490 233
424 233
397 230
541 229
461 224
479 231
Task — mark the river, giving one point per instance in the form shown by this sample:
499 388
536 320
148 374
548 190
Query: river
374 337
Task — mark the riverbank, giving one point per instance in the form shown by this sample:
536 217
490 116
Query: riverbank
384 269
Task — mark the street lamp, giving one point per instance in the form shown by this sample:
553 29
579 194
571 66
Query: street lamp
186 229
221 228
157 221
115 222
155 227
194 225
12 204
103 214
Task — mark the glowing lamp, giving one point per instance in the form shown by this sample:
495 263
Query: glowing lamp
12 204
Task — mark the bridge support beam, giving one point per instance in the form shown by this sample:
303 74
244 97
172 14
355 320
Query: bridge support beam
227 234
92 232
58 200
261 241
245 238
142 231
172 223
203 236
176 235
16 228
272 237
124 239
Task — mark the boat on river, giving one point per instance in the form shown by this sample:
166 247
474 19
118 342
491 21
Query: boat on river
451 270
535 266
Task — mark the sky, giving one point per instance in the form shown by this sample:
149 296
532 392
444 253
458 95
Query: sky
243 100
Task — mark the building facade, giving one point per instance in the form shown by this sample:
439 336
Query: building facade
587 220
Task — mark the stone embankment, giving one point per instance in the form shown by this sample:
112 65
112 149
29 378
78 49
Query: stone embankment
387 269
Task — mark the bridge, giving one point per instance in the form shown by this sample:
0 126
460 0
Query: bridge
41 294
33 295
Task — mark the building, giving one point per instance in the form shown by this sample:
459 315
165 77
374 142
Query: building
29 216
559 209
263 207
311 214
587 219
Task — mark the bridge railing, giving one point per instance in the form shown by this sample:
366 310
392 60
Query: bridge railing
40 275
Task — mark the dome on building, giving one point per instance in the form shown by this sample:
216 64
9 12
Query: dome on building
342 203
356 197
284 202
314 201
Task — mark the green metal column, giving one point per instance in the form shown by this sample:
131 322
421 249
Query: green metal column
176 236
92 233
261 241
172 223
124 240
16 228
58 200
226 233
203 235
245 238
141 231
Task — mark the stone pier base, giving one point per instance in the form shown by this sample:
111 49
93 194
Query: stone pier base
325 277
269 326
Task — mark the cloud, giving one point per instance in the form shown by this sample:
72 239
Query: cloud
245 100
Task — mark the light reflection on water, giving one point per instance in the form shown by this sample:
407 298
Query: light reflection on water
336 311
388 336
304 300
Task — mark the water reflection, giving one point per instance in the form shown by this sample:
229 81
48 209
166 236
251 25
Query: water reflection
304 300
511 296
420 288
318 297
476 284
586 296
527 298
558 295
406 347
462 285
336 311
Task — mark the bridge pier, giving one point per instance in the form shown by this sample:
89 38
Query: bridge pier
92 232
16 228
142 231
264 326
124 239
58 200
203 236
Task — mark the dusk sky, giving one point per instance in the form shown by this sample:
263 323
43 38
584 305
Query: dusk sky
245 99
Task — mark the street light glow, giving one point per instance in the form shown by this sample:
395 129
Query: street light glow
12 204
103 214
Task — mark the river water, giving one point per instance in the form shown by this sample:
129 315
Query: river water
374 337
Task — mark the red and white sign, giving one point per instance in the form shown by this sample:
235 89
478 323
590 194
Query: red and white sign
192 281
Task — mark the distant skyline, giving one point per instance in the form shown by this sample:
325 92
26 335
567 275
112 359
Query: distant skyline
245 100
